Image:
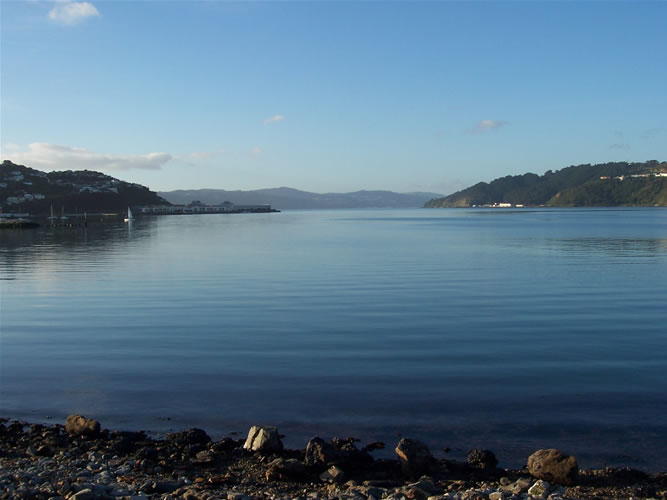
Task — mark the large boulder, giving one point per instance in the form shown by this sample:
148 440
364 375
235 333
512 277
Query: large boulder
285 469
554 466
192 436
414 456
351 456
189 442
76 425
482 459
319 453
263 439
342 452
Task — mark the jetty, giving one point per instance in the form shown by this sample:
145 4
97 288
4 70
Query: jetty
197 207
17 223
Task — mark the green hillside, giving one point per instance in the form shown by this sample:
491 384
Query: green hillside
607 184
23 189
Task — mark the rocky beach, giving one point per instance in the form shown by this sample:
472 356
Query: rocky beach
81 461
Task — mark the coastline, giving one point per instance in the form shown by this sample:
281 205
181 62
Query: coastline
80 460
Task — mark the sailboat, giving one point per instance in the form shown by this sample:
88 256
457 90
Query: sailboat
53 217
129 217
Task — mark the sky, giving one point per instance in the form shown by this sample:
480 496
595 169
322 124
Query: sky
330 96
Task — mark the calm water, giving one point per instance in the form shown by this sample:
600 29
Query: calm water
507 329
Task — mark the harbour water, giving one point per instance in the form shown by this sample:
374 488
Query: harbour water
505 329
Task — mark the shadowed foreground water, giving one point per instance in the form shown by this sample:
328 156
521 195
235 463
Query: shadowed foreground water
507 329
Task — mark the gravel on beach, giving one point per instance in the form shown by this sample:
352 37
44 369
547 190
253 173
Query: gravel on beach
81 461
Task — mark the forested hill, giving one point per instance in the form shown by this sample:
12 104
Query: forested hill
23 189
607 184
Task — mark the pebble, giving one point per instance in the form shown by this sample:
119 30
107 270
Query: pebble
81 469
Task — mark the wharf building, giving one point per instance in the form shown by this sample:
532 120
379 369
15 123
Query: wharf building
197 207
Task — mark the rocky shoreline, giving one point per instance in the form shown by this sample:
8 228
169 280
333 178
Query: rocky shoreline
81 461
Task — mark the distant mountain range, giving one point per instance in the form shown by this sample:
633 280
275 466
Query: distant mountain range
289 198
24 189
607 184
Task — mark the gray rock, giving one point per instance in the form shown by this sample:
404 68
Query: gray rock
235 495
205 457
333 474
319 452
86 494
190 437
557 490
76 425
482 459
119 492
263 439
188 494
554 466
540 489
281 469
425 485
517 487
414 456
105 477
473 495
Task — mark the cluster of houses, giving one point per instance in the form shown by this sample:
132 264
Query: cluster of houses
24 196
83 182
91 182
498 205
622 177
15 176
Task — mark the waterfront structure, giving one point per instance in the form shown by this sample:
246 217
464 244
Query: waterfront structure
196 207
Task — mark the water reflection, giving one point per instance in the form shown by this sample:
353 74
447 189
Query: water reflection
615 247
24 252
520 327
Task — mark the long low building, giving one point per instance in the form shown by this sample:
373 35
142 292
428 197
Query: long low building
199 208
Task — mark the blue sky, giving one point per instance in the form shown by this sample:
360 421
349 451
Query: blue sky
331 96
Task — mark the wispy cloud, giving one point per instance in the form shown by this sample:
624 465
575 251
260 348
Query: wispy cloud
56 157
205 155
652 133
69 13
256 151
487 125
274 119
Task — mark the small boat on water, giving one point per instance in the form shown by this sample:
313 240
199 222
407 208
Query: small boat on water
129 217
